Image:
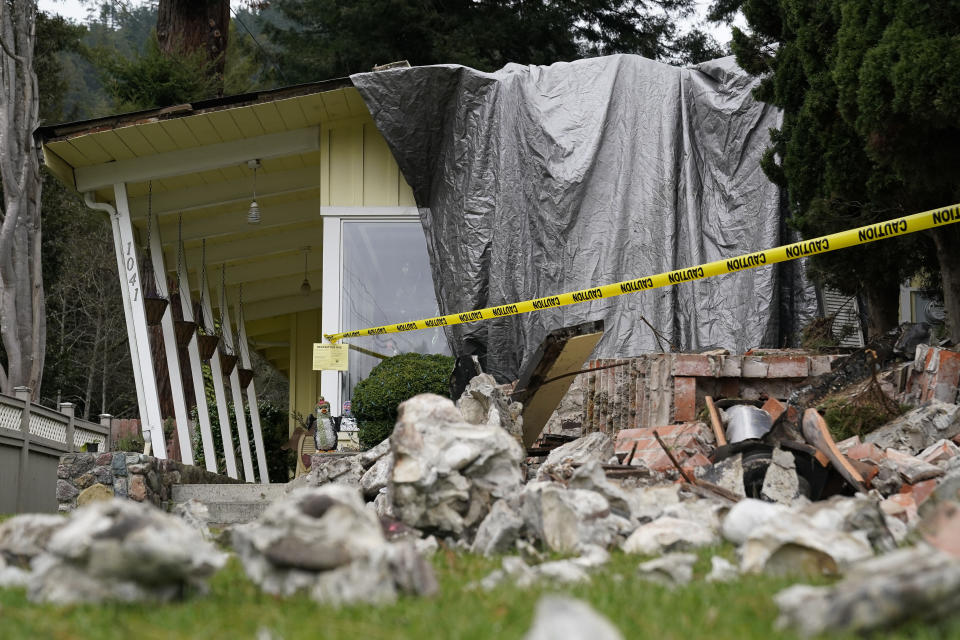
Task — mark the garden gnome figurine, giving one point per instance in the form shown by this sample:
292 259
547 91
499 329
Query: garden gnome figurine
326 437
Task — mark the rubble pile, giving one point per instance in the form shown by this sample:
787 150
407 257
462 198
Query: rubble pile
109 550
324 541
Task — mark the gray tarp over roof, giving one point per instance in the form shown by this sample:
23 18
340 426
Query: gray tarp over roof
539 180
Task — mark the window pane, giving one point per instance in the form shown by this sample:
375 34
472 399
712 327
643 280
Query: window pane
386 279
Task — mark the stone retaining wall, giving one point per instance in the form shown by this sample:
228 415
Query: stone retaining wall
82 477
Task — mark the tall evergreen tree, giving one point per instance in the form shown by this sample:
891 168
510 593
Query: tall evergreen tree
869 112
321 39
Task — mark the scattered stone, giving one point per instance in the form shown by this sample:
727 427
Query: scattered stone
728 473
369 457
591 477
888 480
94 493
671 570
324 540
499 530
940 526
722 570
524 575
917 582
122 550
485 402
804 542
446 472
339 469
648 503
196 514
563 617
780 484
376 477
918 429
669 534
913 469
566 519
901 506
22 538
747 516
596 446
940 451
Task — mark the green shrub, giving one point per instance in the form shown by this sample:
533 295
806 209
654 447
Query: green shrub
394 380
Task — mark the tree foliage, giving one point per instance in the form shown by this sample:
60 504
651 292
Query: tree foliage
319 39
870 112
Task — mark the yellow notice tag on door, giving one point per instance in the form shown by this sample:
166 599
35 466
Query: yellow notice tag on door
330 357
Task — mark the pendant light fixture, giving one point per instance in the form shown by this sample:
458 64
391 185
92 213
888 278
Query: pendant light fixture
253 215
305 285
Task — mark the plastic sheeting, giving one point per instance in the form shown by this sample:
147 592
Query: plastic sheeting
539 180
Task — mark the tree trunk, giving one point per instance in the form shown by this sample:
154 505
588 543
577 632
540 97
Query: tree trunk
947 241
22 306
883 307
189 26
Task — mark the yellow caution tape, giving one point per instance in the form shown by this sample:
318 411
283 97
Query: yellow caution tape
823 244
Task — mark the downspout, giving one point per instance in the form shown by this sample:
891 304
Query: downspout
110 210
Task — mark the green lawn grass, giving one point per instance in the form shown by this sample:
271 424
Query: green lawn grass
235 608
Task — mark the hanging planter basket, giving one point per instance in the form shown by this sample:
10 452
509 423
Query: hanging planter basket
184 330
155 306
246 376
207 345
227 362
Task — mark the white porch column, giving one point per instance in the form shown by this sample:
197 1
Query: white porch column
244 352
125 295
223 413
170 347
330 311
196 373
238 408
130 275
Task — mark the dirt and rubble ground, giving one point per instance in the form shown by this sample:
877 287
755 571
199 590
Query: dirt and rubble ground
235 608
755 523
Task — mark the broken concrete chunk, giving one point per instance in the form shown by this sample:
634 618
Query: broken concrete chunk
780 484
326 542
596 446
566 519
499 530
727 473
446 473
918 429
376 477
339 469
919 582
671 570
591 477
122 550
722 570
196 514
791 545
485 402
748 515
370 456
563 617
23 538
912 469
648 503
669 534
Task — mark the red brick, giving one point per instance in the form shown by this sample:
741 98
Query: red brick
684 399
900 505
938 452
787 366
849 443
947 377
692 364
696 460
866 451
775 408
920 491
940 529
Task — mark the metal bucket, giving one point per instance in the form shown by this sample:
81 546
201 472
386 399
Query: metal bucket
746 422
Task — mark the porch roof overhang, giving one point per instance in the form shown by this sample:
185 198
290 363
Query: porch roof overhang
196 157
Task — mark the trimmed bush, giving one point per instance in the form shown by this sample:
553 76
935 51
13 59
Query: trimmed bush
376 398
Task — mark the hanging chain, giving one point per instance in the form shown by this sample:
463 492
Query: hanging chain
179 248
149 212
203 280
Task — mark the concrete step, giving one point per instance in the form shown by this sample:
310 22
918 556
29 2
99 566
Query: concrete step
230 504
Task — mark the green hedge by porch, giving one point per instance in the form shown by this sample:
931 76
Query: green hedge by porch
376 398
